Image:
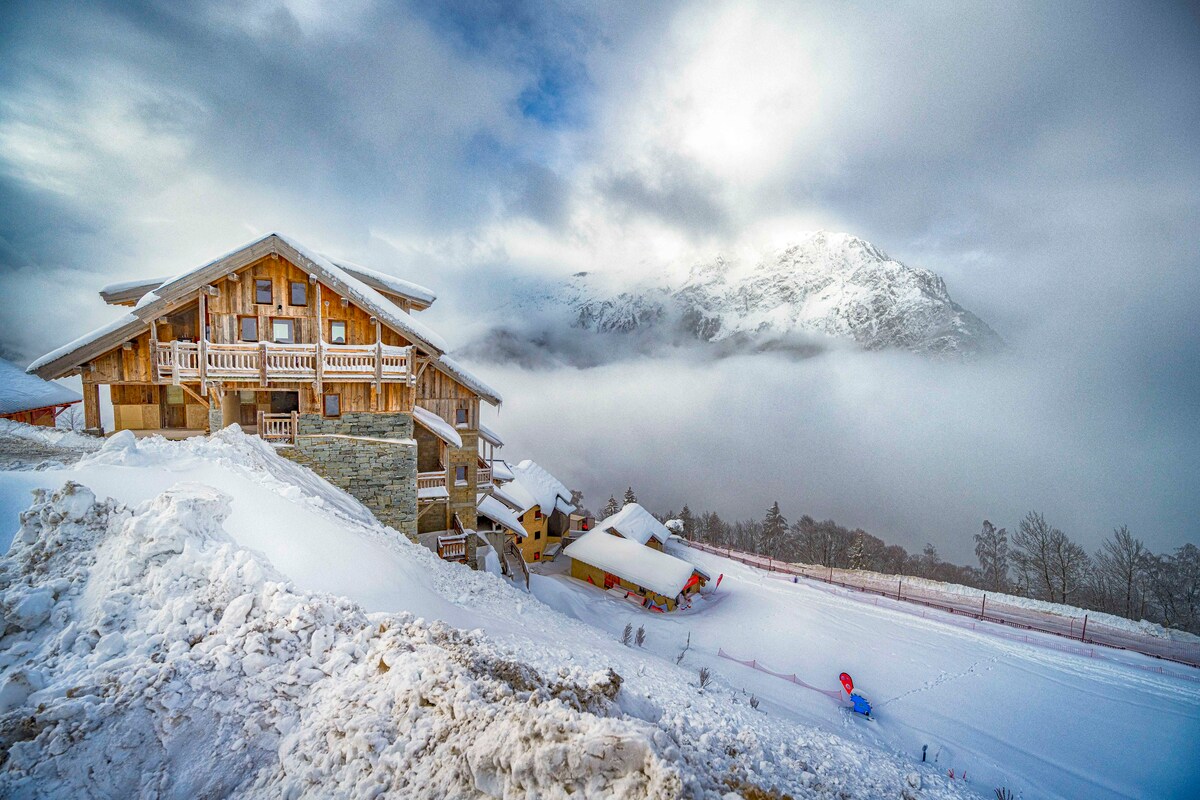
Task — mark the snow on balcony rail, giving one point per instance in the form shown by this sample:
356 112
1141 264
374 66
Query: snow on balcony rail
260 361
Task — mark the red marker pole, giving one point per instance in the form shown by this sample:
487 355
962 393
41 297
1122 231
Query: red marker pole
847 682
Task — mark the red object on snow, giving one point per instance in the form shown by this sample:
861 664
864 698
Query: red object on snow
719 579
847 682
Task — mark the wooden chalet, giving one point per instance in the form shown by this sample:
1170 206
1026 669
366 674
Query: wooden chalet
323 357
637 524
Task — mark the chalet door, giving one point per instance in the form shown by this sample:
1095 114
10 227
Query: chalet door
285 402
247 409
174 414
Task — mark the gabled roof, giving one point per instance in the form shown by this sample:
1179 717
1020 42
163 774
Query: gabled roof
461 374
548 490
151 304
23 392
437 426
499 513
501 470
516 495
636 523
366 298
127 293
663 574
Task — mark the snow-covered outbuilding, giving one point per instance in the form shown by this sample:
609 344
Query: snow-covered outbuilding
651 578
540 501
637 524
29 399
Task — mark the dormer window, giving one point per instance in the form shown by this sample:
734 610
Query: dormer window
262 291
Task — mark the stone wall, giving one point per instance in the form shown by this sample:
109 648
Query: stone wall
371 456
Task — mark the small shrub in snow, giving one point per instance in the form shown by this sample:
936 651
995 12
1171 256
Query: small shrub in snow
753 701
627 634
1003 794
640 637
683 652
705 677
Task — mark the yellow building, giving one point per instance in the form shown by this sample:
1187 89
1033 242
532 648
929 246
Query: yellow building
652 579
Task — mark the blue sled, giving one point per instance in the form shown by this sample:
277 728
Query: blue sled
861 706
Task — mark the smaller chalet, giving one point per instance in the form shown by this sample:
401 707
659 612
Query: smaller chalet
650 578
535 500
29 399
636 524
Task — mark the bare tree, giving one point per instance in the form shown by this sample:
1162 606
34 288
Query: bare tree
71 418
705 677
1121 564
1052 564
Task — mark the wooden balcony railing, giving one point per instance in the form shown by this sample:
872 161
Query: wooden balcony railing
427 482
278 428
483 476
453 547
261 362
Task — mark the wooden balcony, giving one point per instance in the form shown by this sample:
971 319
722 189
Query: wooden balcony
452 547
483 477
261 362
431 486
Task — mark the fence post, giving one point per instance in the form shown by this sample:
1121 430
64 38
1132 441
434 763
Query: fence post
1083 635
899 583
983 607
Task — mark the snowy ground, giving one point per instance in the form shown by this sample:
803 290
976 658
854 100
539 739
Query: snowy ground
191 622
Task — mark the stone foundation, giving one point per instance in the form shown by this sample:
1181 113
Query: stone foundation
371 456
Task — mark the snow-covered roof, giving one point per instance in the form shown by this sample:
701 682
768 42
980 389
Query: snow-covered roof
155 302
663 574
388 283
516 495
437 426
464 376
20 391
501 470
636 523
90 345
432 493
499 513
490 436
309 260
129 292
548 490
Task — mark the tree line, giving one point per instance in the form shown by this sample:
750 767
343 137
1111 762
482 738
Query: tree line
1036 559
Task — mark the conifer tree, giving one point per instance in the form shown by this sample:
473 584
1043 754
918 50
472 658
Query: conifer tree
858 554
630 497
611 507
774 527
689 521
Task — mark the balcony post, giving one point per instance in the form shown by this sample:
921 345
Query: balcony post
262 363
154 351
175 362
202 350
296 422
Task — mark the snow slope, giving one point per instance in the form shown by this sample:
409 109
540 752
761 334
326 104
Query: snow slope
1041 719
232 624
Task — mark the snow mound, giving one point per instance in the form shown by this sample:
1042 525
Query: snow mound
51 437
146 654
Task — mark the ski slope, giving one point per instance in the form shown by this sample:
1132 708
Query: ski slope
1042 722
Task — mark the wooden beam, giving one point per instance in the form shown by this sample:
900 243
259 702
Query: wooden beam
202 355
191 392
233 276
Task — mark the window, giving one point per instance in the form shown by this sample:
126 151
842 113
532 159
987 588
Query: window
537 513
332 405
262 291
460 476
283 330
297 293
248 329
337 331
537 534
537 556
460 416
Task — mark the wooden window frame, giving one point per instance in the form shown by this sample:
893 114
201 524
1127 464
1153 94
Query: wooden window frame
270 292
291 293
465 473
291 323
345 331
240 333
325 405
466 417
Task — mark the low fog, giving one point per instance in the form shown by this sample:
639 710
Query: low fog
911 450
